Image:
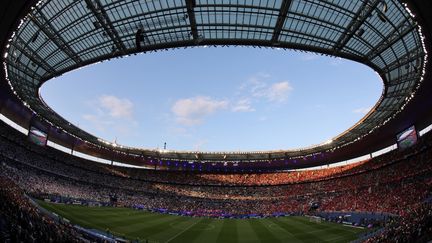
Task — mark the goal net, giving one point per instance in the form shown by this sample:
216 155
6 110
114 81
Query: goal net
314 219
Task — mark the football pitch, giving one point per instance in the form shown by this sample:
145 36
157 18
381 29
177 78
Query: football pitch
133 224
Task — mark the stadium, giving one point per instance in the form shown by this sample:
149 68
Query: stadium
162 195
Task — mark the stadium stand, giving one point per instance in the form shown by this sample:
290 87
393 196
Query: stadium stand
376 185
22 222
391 37
416 226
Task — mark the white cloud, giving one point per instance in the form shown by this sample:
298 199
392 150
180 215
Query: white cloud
279 91
116 107
260 87
243 105
192 111
336 62
112 114
363 110
253 85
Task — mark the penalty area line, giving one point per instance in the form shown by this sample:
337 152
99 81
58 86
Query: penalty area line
181 232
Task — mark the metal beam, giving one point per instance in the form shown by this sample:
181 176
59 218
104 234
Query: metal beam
403 60
356 132
398 33
190 5
283 12
394 106
388 108
20 45
216 42
410 76
49 30
105 22
22 68
398 94
360 17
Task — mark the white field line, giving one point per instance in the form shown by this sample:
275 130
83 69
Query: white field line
272 226
353 226
181 232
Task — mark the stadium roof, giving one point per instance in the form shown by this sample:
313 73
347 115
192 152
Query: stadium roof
57 36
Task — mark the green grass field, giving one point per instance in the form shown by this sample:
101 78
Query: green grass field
133 224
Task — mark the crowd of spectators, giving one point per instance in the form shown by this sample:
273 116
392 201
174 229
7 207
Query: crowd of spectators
415 226
191 177
376 185
21 221
392 183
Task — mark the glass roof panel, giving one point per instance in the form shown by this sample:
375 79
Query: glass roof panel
74 34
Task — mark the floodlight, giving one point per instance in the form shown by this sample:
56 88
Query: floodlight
382 17
384 7
138 38
35 36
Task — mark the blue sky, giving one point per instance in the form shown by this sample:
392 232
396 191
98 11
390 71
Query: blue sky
213 99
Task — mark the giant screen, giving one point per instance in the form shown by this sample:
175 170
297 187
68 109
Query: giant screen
407 138
37 136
